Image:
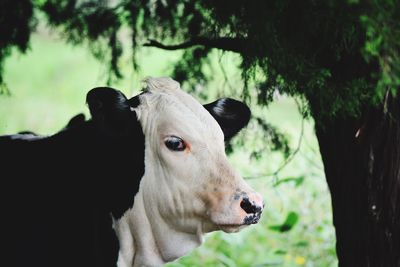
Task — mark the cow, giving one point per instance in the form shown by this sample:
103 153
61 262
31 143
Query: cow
139 184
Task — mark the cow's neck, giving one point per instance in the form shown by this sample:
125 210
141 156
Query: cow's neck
112 165
152 240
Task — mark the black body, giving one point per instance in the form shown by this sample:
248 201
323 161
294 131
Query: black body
58 193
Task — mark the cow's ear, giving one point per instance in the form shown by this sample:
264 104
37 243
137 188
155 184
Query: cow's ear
110 109
231 115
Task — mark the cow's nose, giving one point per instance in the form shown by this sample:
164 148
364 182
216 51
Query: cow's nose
252 204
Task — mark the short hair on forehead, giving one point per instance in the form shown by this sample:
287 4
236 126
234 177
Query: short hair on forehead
167 91
161 84
165 94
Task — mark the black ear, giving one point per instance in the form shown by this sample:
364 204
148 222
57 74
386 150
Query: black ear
110 109
231 115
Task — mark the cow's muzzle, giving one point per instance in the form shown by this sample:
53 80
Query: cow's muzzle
253 205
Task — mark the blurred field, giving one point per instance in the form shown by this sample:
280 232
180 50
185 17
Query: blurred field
49 84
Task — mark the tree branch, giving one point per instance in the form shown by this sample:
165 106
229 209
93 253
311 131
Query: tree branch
224 43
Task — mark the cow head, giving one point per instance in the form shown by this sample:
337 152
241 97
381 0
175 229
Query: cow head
188 187
187 172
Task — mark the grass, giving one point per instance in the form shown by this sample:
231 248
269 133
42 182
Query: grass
49 85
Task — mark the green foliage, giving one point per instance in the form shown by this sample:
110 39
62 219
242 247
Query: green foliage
338 55
382 44
16 24
290 221
193 59
308 48
89 21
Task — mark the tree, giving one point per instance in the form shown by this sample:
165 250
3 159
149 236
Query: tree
341 57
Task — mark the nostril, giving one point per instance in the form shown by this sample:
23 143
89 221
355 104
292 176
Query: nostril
249 207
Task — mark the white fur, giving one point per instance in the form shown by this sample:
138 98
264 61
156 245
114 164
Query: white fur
182 195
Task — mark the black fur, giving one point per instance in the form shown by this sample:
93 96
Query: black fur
58 192
76 121
231 115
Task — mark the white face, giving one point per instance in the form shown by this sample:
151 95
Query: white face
187 174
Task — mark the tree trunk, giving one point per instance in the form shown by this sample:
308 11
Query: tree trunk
361 157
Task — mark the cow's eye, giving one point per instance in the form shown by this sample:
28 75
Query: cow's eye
175 143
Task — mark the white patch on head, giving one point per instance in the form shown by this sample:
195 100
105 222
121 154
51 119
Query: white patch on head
166 103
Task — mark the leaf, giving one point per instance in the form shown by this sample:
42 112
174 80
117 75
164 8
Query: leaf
280 252
301 244
291 219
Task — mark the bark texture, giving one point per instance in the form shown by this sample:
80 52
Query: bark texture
361 157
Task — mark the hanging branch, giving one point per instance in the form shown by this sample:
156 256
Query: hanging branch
226 80
224 43
275 173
